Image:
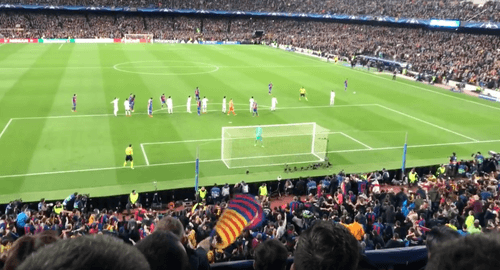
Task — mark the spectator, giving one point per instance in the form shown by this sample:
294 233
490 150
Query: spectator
99 252
326 246
25 246
465 253
163 250
270 255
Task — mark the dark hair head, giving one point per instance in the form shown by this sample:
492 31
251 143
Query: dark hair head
26 245
171 224
163 250
439 235
87 252
326 246
270 255
476 251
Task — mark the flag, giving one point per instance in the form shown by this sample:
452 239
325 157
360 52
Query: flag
404 158
243 212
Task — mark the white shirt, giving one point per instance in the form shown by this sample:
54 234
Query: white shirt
204 102
274 101
251 101
169 102
189 101
332 95
224 102
115 102
127 105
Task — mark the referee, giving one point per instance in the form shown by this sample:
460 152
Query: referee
128 156
302 93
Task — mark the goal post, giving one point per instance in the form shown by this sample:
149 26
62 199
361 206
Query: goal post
138 38
281 144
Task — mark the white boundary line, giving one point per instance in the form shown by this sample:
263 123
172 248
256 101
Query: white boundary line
144 153
365 145
425 122
219 160
60 46
5 128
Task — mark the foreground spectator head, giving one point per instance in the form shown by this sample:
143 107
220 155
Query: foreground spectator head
270 255
171 224
26 245
477 251
326 246
163 250
438 236
88 252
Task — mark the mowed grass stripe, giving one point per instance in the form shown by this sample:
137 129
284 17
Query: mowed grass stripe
36 91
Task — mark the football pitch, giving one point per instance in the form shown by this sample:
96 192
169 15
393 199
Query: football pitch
49 151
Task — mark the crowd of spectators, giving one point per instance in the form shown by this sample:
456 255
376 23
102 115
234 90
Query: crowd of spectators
445 9
362 211
461 57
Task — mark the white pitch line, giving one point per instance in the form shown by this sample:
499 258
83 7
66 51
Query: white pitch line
428 123
365 145
60 46
144 153
5 128
217 160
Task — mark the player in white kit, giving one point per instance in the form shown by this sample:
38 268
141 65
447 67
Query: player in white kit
274 102
188 105
204 105
126 104
224 104
251 103
332 98
115 105
170 106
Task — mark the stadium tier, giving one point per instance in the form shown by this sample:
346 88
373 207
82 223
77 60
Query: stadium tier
447 9
200 142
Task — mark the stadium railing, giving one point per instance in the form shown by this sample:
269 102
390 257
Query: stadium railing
397 258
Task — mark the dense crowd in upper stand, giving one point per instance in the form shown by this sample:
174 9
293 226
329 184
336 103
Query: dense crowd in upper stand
461 197
446 9
460 57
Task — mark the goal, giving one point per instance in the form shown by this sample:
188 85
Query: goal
283 144
138 38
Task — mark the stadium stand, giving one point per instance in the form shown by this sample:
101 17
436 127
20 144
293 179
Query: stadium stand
489 11
390 220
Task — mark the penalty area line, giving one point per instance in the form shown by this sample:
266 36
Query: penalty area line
5 128
144 153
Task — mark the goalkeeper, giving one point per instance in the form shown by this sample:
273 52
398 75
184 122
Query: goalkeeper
258 136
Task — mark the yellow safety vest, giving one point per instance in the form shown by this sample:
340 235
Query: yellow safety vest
440 170
413 177
133 198
58 210
263 191
203 194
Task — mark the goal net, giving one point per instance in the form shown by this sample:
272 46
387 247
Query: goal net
138 38
282 144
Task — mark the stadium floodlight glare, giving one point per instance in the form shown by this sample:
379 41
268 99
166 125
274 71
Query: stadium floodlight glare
135 38
282 144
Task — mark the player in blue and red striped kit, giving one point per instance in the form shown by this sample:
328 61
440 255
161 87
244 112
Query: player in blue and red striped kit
345 85
270 86
198 106
197 93
163 100
74 103
131 101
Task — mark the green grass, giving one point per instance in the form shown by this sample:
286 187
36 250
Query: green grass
46 155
